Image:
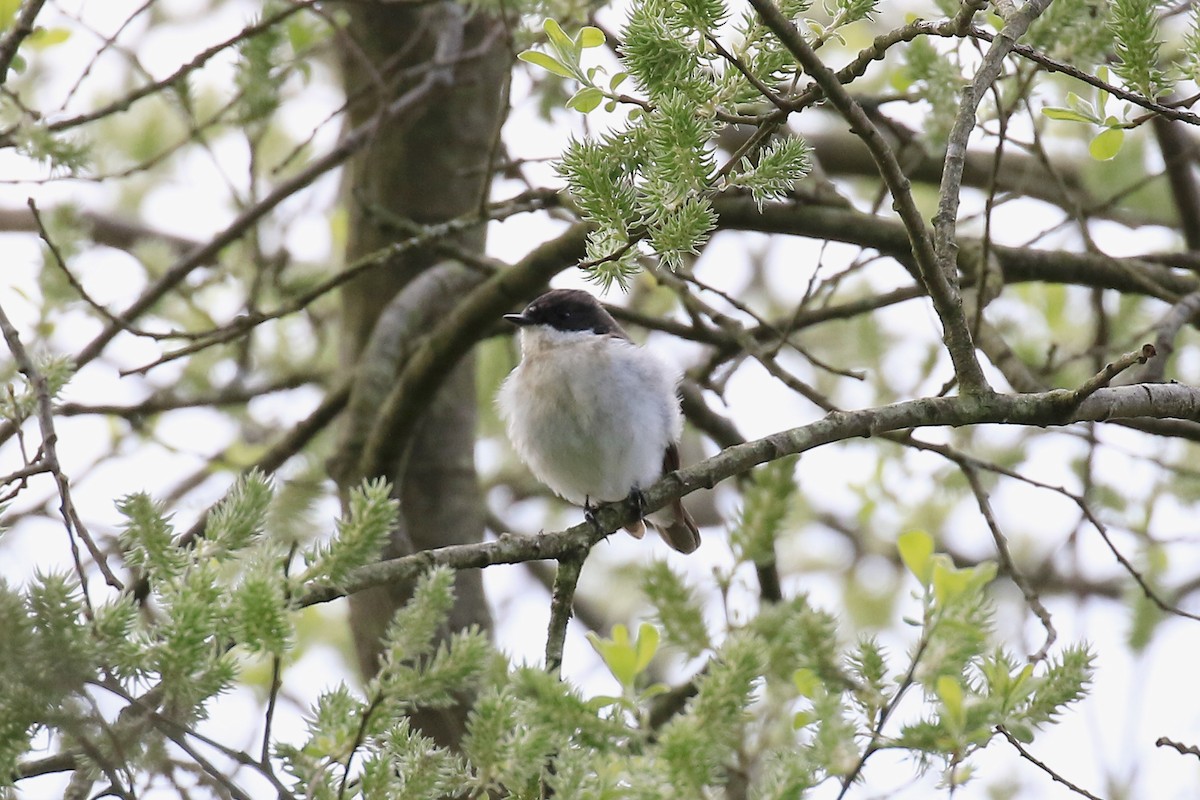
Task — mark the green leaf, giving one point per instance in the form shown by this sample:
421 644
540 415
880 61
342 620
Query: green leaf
586 99
916 551
618 654
590 37
950 692
1082 106
1107 144
42 38
562 44
806 681
1021 732
602 701
617 80
949 583
647 645
1066 114
546 62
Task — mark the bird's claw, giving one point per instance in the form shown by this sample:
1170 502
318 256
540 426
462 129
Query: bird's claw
589 513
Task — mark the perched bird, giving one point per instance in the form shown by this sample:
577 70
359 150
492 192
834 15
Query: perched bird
594 415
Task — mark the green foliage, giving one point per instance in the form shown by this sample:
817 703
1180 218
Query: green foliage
258 75
1072 30
853 10
661 55
782 163
694 755
1136 41
677 610
148 538
626 658
766 500
653 179
934 78
18 401
46 650
360 536
974 688
1145 613
821 709
1107 143
63 154
236 521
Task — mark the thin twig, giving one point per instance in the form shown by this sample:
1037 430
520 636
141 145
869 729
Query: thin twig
45 415
1006 560
61 261
1184 749
1025 754
1186 310
1104 377
938 283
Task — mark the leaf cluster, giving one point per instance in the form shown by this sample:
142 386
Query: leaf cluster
653 177
209 608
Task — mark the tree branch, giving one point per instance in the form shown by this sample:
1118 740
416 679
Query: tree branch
21 28
946 299
938 283
1045 409
561 600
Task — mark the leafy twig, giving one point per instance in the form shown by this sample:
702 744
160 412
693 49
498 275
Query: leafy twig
45 415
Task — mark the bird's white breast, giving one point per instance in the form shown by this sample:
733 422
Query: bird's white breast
591 415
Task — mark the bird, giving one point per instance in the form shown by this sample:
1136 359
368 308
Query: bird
593 415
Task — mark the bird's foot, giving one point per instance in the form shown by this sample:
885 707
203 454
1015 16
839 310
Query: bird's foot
639 502
589 513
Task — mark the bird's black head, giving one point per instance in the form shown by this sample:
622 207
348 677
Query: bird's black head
567 310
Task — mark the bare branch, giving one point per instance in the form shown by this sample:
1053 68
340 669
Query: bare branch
1181 313
1184 749
1044 409
938 282
561 600
1104 377
45 415
1025 754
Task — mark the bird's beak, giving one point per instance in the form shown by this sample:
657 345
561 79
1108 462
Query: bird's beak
520 320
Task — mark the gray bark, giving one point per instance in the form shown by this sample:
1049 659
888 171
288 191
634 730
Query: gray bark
427 168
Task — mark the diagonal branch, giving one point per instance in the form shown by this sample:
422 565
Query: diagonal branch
21 28
944 240
1042 409
955 332
404 108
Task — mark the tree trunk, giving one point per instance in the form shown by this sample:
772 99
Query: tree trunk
429 166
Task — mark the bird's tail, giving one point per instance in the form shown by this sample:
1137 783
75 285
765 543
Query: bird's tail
677 528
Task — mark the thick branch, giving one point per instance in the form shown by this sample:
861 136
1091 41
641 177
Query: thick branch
1043 409
1017 263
